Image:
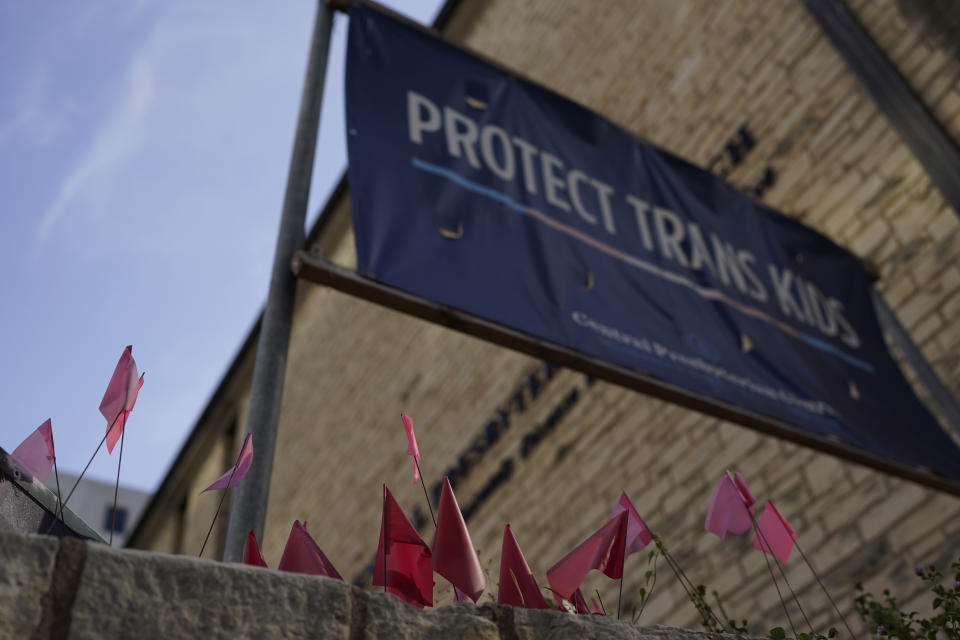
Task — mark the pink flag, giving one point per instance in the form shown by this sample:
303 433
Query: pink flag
518 587
35 454
453 554
120 396
604 551
251 552
638 536
403 558
412 449
774 534
303 555
731 507
234 475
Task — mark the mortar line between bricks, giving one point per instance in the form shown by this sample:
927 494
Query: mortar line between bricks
58 602
358 614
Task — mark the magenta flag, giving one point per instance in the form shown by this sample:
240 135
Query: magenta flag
303 555
638 536
412 449
35 454
120 396
518 587
251 552
774 534
731 508
403 558
453 554
604 551
234 475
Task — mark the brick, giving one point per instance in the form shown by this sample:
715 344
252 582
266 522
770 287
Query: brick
901 502
28 564
944 223
916 307
926 329
823 473
871 237
897 292
929 516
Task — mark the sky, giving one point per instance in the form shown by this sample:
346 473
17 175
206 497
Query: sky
144 148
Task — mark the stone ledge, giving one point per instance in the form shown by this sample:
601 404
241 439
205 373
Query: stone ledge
58 589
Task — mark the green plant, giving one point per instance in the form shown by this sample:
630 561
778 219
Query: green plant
886 619
649 582
778 633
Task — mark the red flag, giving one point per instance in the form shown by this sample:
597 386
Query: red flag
120 396
403 555
303 555
234 476
453 554
604 551
518 587
35 453
251 552
412 449
638 536
731 507
774 534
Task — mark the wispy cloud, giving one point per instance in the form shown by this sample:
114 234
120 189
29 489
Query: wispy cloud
36 121
120 136
23 117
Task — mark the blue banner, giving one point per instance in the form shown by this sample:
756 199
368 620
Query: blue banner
481 191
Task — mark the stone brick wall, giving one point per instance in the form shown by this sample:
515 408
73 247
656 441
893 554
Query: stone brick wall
685 76
51 589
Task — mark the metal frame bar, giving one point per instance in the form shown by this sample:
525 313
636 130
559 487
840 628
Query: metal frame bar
940 396
324 272
903 108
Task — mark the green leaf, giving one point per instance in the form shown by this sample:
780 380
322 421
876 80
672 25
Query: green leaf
777 633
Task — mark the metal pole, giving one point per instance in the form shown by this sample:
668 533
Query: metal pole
249 507
940 396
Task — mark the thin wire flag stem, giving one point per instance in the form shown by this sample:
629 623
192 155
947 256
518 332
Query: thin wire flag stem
684 580
56 474
779 594
383 526
116 490
425 494
619 597
89 462
829 597
456 593
759 533
219 504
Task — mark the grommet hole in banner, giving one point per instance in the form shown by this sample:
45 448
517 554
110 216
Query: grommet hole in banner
452 234
589 282
476 94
